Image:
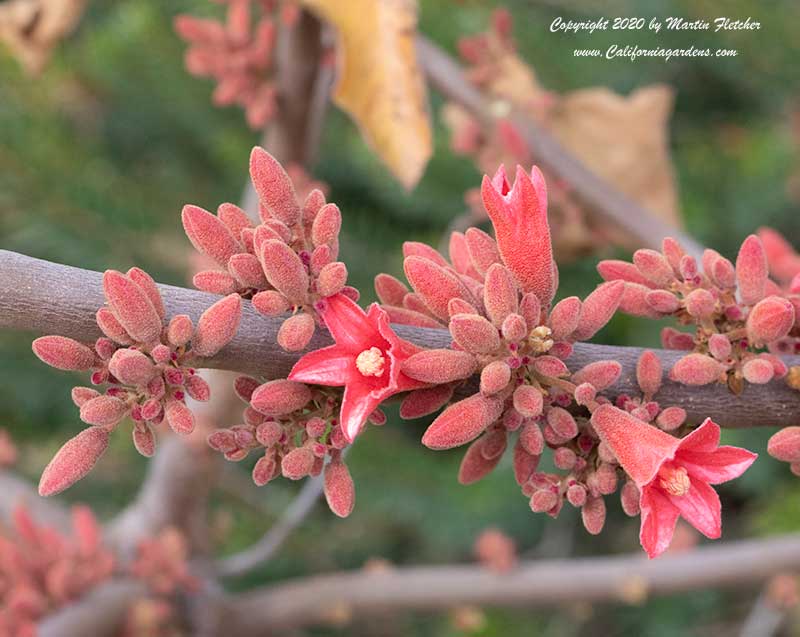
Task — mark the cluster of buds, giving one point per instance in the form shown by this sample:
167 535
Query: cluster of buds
784 268
736 310
295 428
495 296
146 364
162 563
286 263
237 54
41 570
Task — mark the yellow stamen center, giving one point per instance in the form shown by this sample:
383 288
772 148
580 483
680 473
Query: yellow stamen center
674 480
371 362
539 339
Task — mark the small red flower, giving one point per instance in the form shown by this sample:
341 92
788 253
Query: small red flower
673 474
366 360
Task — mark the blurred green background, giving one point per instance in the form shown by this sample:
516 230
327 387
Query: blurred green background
98 155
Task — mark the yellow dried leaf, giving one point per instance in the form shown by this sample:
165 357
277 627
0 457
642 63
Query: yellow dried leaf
380 83
32 28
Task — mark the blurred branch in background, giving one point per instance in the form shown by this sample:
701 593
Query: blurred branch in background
45 297
446 76
627 579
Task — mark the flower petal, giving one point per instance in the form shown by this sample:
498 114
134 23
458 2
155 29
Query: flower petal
703 439
349 325
357 404
721 465
701 508
331 366
659 516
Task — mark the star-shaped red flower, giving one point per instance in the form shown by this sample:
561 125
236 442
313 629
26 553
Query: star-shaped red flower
674 475
366 360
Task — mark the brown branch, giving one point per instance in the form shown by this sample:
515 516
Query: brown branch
100 613
314 600
445 74
48 298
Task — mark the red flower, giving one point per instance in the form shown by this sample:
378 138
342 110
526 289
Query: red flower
519 217
673 474
366 360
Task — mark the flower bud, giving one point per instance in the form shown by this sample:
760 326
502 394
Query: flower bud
528 401
474 333
339 489
593 515
719 346
437 366
629 498
132 367
700 303
751 270
696 369
654 267
217 326
499 294
280 397
671 418
562 422
758 371
332 278
770 320
296 332
103 411
462 422
495 377
785 445
601 374
63 353
649 373
297 463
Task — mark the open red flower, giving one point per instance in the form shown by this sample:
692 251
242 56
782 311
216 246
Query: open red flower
366 360
673 474
519 217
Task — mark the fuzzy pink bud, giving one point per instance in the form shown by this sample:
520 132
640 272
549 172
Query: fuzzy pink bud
649 373
475 465
284 270
180 330
524 464
629 498
274 187
214 282
63 353
279 397
601 374
73 461
564 458
434 284
390 290
332 278
246 269
654 267
234 218
270 303
132 367
615 270
751 270
636 301
785 445
80 395
585 393
263 470
198 388
209 235
758 371
565 317
474 333
423 402
662 301
672 251
514 328
459 254
132 307
700 303
499 294
671 418
462 422
770 320
298 463
326 226
550 366
179 417
339 489
438 366
562 423
103 411
598 308
217 326
144 440
543 500
418 249
593 515
111 327
482 250
495 377
696 369
528 401
146 282
296 331
719 346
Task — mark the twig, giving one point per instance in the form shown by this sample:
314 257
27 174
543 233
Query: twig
313 600
262 551
765 618
446 76
100 613
55 299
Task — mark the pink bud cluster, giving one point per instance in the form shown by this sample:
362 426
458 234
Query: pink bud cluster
162 562
736 310
146 365
295 428
237 54
42 570
285 263
784 267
